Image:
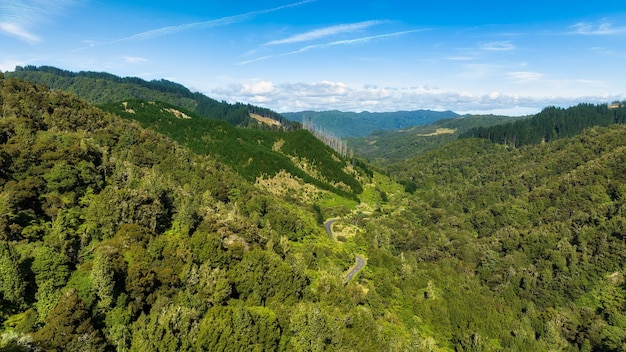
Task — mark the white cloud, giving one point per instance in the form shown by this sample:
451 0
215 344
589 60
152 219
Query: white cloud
602 28
498 46
328 95
19 32
494 95
325 32
257 88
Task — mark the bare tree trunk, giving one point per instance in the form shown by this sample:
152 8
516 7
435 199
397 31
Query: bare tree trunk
341 147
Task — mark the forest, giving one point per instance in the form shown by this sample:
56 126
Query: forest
384 147
126 231
102 88
551 123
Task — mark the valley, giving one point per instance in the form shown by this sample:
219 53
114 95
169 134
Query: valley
170 222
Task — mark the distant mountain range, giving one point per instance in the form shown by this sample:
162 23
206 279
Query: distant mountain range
353 124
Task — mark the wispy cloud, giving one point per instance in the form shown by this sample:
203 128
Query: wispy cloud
326 32
346 42
609 52
134 59
18 31
205 24
18 16
498 46
603 28
524 76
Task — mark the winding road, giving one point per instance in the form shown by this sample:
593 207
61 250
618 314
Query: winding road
360 261
328 225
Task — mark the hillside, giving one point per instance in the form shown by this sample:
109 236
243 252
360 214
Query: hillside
388 146
101 88
117 237
253 153
540 228
352 124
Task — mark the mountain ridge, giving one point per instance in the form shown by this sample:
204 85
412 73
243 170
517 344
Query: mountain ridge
359 124
104 87
253 153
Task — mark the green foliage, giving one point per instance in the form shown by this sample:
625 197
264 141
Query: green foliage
102 88
69 327
383 147
12 278
239 328
114 237
551 124
250 152
261 276
168 327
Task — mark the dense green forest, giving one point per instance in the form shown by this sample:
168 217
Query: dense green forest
361 124
102 88
551 124
118 237
253 153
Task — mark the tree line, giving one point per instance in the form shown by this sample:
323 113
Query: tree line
103 87
550 124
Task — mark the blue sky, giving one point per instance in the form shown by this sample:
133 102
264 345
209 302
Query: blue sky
466 56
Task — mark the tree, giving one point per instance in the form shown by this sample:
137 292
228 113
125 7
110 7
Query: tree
239 328
51 273
12 281
69 327
312 329
103 279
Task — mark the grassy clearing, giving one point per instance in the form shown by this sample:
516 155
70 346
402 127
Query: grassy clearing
438 132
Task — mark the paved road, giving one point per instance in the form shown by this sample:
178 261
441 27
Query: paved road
360 261
328 225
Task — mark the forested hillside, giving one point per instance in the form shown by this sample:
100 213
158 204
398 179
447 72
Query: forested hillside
540 228
114 237
382 147
117 237
551 124
102 88
252 153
